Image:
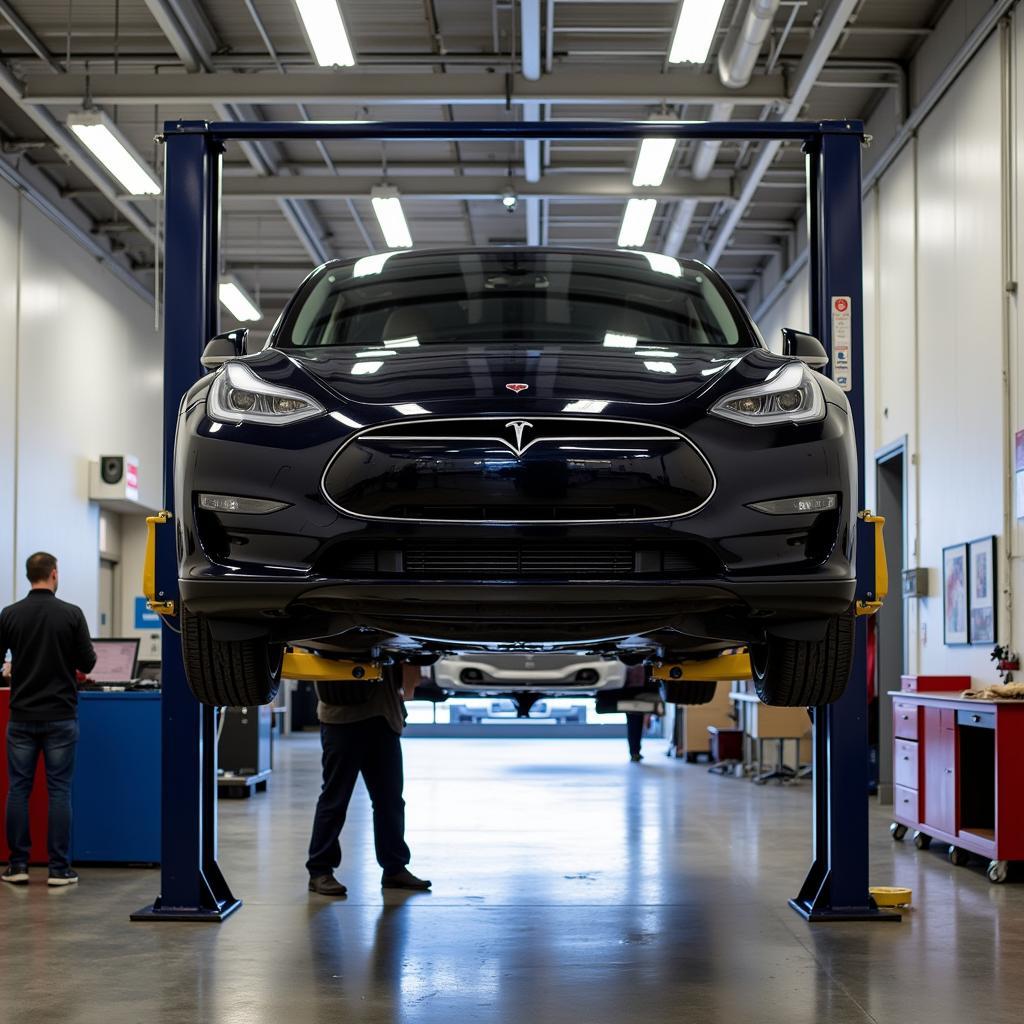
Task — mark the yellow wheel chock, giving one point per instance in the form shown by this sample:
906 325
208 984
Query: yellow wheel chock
311 668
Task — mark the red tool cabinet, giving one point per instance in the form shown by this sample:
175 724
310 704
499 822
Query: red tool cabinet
38 804
956 768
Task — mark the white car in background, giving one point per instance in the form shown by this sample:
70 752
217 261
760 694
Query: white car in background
502 675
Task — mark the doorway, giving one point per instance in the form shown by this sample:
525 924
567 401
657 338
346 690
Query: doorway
890 633
107 617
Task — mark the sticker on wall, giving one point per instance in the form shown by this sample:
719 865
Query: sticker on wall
842 333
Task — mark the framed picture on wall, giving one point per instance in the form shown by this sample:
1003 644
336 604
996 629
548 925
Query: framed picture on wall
981 602
954 594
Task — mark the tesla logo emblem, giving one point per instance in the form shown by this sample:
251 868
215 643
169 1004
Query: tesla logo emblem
519 426
517 387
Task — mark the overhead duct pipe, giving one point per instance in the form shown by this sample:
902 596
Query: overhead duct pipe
530 47
736 62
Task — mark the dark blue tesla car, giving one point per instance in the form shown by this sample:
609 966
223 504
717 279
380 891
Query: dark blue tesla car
516 449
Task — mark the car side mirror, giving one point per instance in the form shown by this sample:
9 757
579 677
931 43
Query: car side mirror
223 347
804 347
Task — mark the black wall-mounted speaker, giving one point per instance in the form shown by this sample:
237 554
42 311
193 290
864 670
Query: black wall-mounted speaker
111 468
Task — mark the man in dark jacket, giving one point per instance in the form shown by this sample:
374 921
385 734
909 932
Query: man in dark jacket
48 640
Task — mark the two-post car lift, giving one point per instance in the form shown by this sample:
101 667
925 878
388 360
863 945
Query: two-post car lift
192 886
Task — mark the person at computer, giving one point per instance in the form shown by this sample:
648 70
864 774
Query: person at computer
48 640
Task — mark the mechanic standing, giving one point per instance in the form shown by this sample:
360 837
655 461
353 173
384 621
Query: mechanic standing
48 640
360 730
636 721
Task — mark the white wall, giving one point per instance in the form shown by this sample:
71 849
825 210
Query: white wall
88 381
936 347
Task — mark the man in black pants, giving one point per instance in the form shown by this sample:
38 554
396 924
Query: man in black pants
48 640
360 729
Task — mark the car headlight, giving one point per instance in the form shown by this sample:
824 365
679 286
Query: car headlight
239 396
790 395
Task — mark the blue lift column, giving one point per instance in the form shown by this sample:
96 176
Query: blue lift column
836 888
192 887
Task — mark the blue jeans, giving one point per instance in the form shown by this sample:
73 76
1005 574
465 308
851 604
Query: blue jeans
57 742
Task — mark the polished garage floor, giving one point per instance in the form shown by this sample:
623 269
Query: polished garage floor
570 886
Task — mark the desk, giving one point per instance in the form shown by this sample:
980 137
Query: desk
957 764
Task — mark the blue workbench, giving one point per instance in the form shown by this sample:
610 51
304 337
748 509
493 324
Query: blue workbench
115 795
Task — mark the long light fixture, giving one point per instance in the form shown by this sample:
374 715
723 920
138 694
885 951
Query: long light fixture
104 140
652 162
695 31
235 299
388 208
636 222
326 33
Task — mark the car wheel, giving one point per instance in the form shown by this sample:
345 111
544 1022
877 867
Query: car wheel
228 673
679 691
804 673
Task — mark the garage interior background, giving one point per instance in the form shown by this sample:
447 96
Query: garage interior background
942 225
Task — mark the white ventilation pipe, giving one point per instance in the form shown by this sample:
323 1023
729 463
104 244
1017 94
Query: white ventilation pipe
736 62
530 47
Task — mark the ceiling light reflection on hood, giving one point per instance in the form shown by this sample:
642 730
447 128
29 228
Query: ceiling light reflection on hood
369 265
411 409
660 367
361 369
411 342
585 405
660 263
615 340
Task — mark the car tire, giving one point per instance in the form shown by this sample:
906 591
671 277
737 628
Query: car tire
228 673
679 691
805 673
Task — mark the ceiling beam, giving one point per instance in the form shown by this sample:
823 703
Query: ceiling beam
592 187
368 87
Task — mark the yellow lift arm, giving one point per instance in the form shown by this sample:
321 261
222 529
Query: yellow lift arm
312 668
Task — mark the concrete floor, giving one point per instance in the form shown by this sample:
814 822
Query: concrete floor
570 886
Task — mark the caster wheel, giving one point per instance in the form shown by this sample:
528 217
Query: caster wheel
998 871
958 857
897 831
922 841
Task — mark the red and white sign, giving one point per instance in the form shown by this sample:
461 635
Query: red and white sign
842 336
131 478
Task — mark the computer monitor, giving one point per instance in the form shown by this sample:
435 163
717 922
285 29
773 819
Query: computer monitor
116 660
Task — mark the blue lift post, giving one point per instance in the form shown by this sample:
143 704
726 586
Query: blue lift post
192 886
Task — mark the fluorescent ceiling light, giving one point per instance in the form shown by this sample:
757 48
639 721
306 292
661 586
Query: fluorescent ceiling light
236 301
614 340
325 30
652 162
361 369
106 143
370 265
695 31
661 367
636 222
411 409
585 405
412 341
388 208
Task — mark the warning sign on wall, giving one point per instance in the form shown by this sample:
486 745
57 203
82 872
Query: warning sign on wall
842 331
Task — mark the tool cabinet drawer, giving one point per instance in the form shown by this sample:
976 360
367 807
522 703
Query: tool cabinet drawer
904 724
905 763
905 803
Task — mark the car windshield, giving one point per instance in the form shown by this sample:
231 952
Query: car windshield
514 296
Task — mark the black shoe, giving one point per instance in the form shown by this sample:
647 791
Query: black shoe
636 758
327 885
62 876
404 879
16 874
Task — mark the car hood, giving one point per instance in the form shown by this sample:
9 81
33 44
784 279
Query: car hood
443 374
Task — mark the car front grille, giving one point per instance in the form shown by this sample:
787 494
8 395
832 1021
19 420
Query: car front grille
521 560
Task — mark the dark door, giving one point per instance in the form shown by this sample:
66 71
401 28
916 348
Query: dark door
940 769
890 660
